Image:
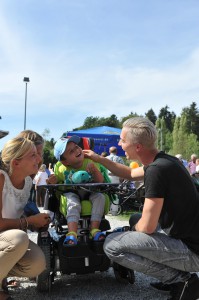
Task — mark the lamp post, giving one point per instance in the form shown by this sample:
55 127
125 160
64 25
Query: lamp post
26 80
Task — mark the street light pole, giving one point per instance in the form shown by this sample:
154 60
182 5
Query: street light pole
26 80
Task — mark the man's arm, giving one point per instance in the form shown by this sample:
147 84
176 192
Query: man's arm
150 215
116 168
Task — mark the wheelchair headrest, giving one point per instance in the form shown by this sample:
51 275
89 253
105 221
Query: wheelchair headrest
86 143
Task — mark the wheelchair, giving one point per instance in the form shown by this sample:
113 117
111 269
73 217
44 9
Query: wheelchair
87 256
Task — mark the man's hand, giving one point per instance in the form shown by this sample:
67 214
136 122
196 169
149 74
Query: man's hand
92 155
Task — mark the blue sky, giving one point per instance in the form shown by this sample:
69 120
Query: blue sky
95 58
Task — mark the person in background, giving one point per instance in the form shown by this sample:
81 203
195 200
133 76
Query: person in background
114 157
40 180
104 154
32 197
47 171
171 201
50 168
192 164
197 165
19 256
183 161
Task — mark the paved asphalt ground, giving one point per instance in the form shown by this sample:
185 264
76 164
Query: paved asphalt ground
98 286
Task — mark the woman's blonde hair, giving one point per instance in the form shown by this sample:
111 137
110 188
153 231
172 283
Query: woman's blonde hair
33 136
141 131
15 148
42 168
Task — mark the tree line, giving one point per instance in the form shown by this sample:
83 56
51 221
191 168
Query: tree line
176 134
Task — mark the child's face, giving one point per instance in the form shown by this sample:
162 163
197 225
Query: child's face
73 156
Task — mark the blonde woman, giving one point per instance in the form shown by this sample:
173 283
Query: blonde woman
18 255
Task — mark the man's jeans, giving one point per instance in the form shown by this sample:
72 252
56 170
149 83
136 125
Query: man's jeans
156 255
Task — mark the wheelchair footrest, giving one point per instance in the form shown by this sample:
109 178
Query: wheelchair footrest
83 258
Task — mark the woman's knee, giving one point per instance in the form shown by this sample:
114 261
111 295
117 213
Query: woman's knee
16 240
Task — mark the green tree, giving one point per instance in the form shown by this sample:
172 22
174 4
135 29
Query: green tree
192 116
162 131
131 115
89 122
168 116
48 153
192 145
112 121
175 132
46 133
184 142
151 116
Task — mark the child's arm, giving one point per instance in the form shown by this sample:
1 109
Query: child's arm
96 174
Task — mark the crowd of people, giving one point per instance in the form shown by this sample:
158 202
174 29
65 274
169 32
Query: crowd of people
163 241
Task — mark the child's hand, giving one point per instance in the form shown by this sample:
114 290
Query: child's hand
52 179
91 168
95 173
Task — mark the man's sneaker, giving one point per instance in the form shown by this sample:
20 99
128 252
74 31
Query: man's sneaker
188 290
161 287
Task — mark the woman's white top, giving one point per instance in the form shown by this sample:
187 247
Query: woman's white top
14 200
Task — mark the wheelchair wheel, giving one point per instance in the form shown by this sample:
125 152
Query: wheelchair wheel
123 275
44 280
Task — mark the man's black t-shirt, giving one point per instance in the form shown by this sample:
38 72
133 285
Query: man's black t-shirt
167 178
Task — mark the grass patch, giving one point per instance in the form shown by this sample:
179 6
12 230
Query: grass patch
125 216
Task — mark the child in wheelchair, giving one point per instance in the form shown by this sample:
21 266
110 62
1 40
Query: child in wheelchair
71 158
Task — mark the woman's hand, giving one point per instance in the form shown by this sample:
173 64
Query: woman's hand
39 220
